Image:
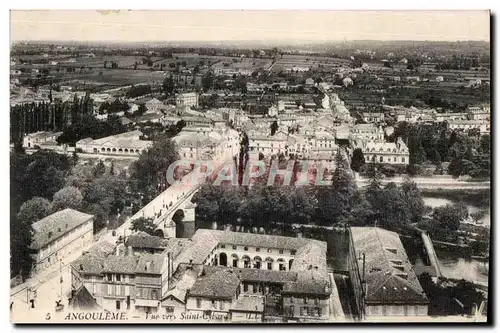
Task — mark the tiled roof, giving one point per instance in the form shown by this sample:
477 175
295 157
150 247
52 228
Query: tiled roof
259 240
55 225
89 264
258 275
120 264
307 287
150 263
389 274
143 240
217 284
203 243
102 249
183 279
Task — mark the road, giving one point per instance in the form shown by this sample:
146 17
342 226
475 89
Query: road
432 183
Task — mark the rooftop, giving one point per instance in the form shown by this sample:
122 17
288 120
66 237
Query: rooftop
389 274
56 225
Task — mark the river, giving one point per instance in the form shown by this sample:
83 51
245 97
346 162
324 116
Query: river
452 264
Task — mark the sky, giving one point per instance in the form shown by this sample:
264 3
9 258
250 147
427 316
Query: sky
191 25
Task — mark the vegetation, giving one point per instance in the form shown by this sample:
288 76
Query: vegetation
338 204
149 172
468 155
143 224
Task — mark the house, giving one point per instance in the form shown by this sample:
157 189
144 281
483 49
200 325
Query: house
34 140
254 274
373 117
465 125
478 112
383 152
59 235
124 281
310 82
187 99
382 276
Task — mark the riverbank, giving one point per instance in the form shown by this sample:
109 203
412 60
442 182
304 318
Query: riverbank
476 197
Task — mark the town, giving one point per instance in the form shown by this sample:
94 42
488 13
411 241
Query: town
397 133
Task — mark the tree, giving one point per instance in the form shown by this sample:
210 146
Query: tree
21 237
150 170
99 169
412 198
67 197
274 127
449 216
143 224
168 85
34 210
207 81
142 109
358 159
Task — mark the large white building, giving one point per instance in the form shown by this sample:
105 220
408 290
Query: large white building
187 99
383 152
128 143
38 139
464 125
59 235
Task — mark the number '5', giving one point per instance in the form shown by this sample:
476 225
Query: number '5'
47 317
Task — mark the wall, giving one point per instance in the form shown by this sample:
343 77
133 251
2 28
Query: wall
64 246
206 304
309 309
252 253
396 310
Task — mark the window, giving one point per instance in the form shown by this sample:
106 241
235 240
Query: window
198 303
169 309
319 312
291 311
222 305
269 251
281 251
110 277
235 262
94 289
127 290
246 248
316 301
254 288
110 289
118 277
291 299
269 265
257 249
138 292
214 305
223 246
235 247
48 260
305 300
118 305
292 252
118 289
154 294
302 311
245 287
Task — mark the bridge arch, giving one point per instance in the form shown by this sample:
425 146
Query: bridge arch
159 233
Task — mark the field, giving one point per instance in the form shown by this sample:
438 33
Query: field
288 61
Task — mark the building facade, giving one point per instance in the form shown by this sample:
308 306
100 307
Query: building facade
187 99
60 235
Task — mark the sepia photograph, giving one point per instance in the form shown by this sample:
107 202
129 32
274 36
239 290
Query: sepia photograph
250 166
